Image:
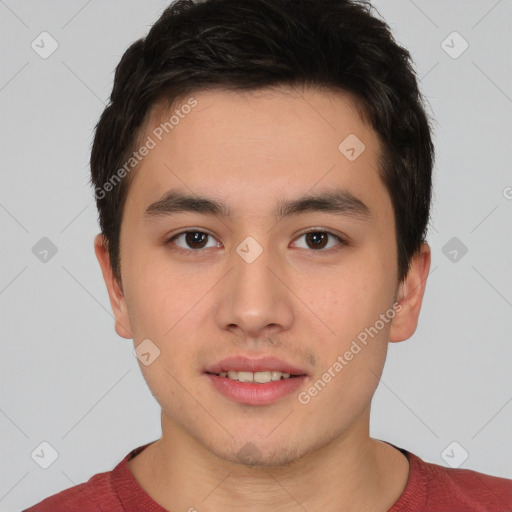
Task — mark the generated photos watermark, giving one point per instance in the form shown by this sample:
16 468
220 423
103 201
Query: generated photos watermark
151 142
305 397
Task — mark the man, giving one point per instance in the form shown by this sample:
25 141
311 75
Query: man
263 178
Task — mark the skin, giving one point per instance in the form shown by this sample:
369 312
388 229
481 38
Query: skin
294 302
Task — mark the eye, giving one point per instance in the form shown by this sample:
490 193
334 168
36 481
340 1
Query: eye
318 239
194 240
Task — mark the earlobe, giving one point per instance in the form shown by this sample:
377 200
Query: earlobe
410 296
115 292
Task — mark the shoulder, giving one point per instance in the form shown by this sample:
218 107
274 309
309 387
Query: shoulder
91 496
85 497
98 494
80 498
448 487
101 493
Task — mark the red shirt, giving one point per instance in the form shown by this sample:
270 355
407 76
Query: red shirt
430 488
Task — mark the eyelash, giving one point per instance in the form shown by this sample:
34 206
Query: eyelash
341 241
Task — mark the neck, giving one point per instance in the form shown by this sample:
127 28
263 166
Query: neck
352 473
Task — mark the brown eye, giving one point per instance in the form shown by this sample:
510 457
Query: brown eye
318 240
193 240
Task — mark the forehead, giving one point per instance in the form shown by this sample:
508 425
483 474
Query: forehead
247 147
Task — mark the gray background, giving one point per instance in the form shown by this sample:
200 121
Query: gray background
69 380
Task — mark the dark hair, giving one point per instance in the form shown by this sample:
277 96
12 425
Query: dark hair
253 44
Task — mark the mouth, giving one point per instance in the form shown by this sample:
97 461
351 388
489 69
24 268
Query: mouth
260 377
255 381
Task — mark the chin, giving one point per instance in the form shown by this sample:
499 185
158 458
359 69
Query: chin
261 454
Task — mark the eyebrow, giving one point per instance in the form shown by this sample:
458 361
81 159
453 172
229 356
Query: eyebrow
339 202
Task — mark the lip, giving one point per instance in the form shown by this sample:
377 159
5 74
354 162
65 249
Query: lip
249 364
251 393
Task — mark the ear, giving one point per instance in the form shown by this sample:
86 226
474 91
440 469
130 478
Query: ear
115 292
410 296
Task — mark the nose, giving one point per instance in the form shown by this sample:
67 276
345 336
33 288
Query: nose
254 300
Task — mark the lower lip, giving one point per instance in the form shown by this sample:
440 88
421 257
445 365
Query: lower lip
255 394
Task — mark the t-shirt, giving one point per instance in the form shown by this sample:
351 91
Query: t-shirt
430 488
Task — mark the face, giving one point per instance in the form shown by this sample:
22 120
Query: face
271 281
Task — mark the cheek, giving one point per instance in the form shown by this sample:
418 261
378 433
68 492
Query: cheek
148 304
158 294
350 299
352 303
351 369
164 305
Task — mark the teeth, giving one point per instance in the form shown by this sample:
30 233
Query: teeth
245 376
262 377
259 377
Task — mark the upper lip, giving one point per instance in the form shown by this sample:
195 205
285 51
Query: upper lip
252 364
